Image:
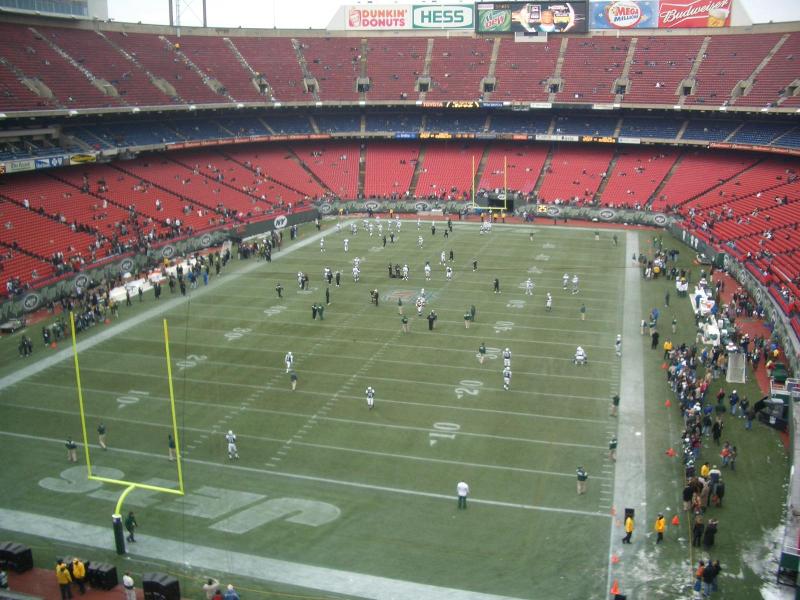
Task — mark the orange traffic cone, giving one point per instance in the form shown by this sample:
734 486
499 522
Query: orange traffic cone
667 403
54 345
664 366
676 521
670 453
614 559
615 588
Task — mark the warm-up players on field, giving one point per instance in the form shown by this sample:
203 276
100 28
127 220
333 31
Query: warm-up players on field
233 451
370 397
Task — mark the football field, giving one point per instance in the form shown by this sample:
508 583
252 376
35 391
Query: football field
330 498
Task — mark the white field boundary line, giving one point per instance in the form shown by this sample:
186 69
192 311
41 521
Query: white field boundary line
460 324
311 352
263 438
333 374
351 397
630 473
236 564
137 320
356 422
327 480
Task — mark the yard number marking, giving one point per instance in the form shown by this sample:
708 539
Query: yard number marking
468 387
516 303
501 326
491 353
132 398
444 431
274 310
190 361
236 333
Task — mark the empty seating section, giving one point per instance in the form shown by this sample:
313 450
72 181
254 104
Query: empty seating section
157 56
336 165
243 126
123 135
15 96
590 68
41 234
333 123
275 59
287 180
522 70
216 60
288 124
577 125
575 173
456 122
256 195
644 127
754 132
393 65
709 131
457 67
781 70
35 58
791 139
198 129
389 169
729 59
394 122
660 64
105 62
698 172
522 163
446 170
636 175
520 122
335 63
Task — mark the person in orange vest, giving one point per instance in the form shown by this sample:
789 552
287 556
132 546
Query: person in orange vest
628 530
79 574
661 525
64 579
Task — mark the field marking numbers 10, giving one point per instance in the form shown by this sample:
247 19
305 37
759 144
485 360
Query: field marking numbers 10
236 333
443 431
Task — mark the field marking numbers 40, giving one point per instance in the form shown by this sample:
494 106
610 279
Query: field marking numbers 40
132 397
236 333
443 431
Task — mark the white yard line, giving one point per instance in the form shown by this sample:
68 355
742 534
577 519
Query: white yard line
630 473
338 482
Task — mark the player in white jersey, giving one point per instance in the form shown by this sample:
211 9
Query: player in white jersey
507 357
380 228
397 221
338 226
405 272
564 280
618 345
353 228
448 273
548 303
356 274
346 244
428 271
289 360
574 284
369 228
580 356
233 451
357 262
419 223
419 241
370 397
442 259
529 287
322 244
507 378
300 278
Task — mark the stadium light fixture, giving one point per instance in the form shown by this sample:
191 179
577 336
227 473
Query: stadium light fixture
135 109
192 107
239 105
72 112
2 115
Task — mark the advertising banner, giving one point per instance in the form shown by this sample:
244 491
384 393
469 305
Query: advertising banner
51 162
623 14
378 17
532 18
80 159
458 16
15 166
678 14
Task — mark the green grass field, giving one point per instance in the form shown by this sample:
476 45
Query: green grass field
327 492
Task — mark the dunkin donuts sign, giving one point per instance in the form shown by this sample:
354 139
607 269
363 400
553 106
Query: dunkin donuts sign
674 14
378 17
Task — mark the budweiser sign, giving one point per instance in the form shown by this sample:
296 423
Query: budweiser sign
696 13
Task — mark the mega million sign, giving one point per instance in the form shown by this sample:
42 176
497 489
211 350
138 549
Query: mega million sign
666 14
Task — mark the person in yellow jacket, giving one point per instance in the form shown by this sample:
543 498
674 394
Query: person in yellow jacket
661 525
79 574
667 349
705 470
64 579
628 530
